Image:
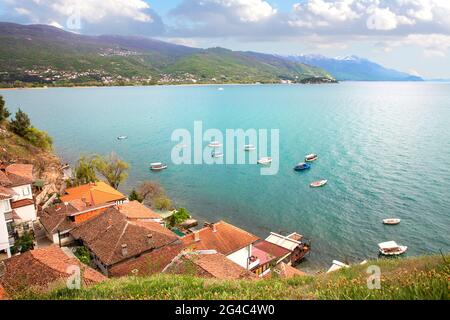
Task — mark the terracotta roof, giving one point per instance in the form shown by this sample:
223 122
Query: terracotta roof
226 239
16 175
56 218
214 265
6 193
136 210
22 203
93 193
22 170
4 181
108 232
149 263
42 268
272 249
287 271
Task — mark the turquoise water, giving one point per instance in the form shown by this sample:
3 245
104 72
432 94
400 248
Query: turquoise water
384 147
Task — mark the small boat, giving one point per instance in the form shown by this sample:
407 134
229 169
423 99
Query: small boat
391 248
217 154
157 166
214 144
311 157
302 166
249 147
265 160
221 89
391 221
317 184
122 137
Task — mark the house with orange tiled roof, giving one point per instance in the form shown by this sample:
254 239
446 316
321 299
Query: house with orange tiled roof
58 220
113 240
136 211
17 205
43 269
208 264
94 193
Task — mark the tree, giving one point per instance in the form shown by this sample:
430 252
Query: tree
24 243
4 113
21 124
83 254
84 171
134 196
162 203
112 168
178 217
149 190
39 138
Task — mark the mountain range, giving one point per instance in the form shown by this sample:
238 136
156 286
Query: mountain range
354 68
44 55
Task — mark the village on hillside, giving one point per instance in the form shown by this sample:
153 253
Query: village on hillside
93 226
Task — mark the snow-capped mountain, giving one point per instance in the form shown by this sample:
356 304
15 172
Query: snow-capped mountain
354 68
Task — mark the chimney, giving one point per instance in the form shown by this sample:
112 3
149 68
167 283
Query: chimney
197 236
213 227
124 250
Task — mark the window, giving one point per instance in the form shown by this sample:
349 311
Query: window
26 191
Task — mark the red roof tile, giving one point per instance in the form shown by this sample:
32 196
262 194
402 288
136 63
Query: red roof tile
136 210
42 269
208 265
108 232
272 249
149 263
226 239
22 203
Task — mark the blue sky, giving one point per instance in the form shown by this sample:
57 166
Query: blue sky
408 35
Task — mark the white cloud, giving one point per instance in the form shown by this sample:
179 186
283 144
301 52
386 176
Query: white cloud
92 16
248 10
332 11
385 19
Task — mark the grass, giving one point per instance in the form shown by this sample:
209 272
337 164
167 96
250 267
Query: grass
405 279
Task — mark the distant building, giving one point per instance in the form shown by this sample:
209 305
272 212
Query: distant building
42 269
17 207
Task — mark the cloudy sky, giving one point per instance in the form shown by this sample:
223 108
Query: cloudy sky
409 35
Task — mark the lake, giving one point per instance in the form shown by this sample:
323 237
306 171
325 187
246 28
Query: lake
384 147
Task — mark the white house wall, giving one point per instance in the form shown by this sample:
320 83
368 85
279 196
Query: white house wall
23 192
27 213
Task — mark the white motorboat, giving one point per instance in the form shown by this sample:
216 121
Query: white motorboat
391 221
265 160
221 89
249 147
217 154
391 248
311 157
158 166
317 184
214 144
122 137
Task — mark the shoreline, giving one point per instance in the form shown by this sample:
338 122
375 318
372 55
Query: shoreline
161 85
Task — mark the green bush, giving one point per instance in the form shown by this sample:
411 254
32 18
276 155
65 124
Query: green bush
82 253
20 124
24 243
39 138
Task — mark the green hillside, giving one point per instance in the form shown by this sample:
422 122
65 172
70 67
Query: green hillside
414 278
44 55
